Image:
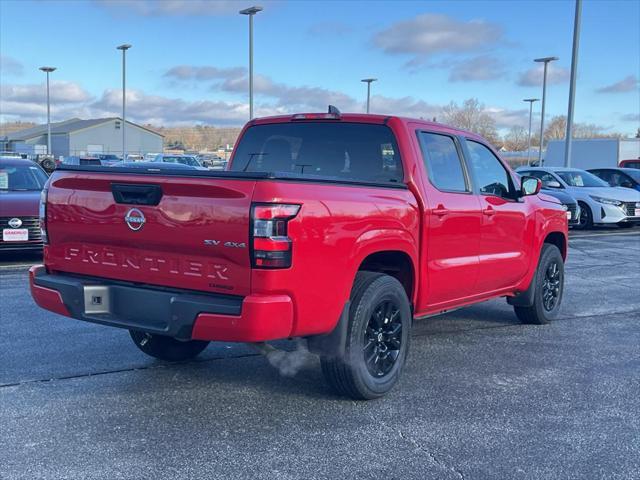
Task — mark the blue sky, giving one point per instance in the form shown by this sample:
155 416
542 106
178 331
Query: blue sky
188 61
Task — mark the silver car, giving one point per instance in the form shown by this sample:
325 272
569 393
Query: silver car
599 203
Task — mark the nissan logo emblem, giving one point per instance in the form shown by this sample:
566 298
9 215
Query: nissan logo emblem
15 223
134 219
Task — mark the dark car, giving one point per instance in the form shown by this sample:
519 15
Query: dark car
619 177
550 187
573 209
21 182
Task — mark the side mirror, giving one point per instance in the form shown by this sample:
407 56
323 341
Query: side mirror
552 184
530 186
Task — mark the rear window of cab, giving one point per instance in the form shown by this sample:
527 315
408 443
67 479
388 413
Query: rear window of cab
341 150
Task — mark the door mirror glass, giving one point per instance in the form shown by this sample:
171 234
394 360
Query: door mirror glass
531 186
552 184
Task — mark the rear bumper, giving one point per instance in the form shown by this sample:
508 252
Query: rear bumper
180 314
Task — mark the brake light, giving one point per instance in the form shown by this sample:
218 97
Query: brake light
271 247
42 214
316 116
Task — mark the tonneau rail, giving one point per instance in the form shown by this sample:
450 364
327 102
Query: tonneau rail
224 174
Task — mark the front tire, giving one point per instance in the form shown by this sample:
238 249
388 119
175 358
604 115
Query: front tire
377 339
167 348
586 217
549 288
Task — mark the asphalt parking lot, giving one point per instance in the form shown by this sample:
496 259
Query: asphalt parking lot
482 395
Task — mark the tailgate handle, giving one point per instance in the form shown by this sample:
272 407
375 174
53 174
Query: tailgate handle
136 194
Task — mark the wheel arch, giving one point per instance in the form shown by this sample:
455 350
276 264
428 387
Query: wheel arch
395 263
559 240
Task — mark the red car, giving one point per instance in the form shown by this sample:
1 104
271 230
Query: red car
339 229
21 182
631 163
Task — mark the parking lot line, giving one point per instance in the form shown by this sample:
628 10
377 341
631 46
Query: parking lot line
602 234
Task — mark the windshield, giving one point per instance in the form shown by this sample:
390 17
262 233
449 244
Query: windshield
633 173
183 160
22 177
578 178
356 151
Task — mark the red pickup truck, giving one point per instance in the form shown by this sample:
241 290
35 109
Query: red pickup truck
337 229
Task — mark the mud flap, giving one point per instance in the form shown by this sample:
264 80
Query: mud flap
525 299
332 344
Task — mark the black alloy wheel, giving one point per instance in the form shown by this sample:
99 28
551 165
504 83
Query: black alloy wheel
551 287
382 338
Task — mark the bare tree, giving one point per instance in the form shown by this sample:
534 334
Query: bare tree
471 116
516 139
556 129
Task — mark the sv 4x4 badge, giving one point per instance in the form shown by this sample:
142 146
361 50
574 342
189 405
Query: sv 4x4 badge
216 243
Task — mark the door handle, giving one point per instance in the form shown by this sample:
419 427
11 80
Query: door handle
440 211
489 211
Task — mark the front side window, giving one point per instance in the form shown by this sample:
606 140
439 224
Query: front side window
443 164
350 151
580 178
492 177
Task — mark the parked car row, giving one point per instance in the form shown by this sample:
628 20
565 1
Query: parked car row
603 196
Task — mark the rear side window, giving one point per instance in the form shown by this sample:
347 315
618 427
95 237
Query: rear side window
353 151
442 161
492 177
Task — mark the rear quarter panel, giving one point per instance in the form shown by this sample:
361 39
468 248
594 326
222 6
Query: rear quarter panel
336 228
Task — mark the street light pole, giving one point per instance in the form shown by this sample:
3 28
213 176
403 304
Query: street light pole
124 49
48 70
531 101
572 88
368 81
250 12
546 61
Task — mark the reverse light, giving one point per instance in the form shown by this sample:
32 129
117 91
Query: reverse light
271 247
42 214
607 201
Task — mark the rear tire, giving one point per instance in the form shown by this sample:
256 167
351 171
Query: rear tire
586 217
549 288
167 348
377 342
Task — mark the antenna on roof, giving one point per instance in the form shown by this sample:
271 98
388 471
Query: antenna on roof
334 110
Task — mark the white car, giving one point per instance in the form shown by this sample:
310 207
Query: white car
599 203
188 160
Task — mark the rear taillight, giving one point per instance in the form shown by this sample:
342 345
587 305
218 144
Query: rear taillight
42 214
271 246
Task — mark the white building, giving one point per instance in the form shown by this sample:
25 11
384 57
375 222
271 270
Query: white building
83 137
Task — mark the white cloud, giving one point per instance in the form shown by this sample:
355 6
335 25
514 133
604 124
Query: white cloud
60 92
430 34
505 118
533 76
627 84
159 110
155 8
28 103
200 73
476 69
630 117
10 66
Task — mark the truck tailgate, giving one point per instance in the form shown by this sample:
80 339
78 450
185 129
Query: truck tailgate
173 231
